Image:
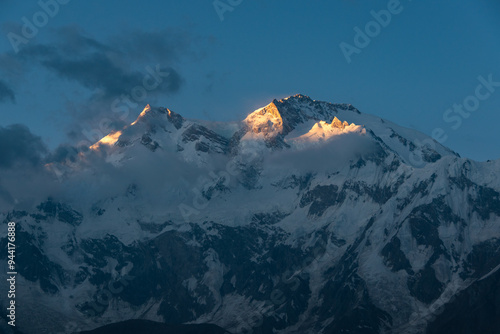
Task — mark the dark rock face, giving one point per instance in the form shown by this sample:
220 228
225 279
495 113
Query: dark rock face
149 143
378 194
484 200
483 258
162 267
421 190
403 140
425 286
34 265
321 197
346 296
61 212
151 327
394 257
174 118
206 140
424 222
474 310
430 155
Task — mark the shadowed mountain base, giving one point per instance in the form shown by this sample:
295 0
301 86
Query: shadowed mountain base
151 327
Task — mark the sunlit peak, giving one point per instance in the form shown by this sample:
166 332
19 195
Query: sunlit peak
109 140
142 114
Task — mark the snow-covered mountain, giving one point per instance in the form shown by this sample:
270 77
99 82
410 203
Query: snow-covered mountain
305 217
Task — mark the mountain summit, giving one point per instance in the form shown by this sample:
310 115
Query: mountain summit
277 126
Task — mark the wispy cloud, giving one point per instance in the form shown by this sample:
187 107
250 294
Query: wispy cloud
108 70
21 172
19 146
329 156
104 68
6 93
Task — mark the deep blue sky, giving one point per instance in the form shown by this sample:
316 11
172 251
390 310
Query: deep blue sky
426 59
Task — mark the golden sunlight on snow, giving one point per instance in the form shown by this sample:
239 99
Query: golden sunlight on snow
141 115
109 140
265 120
323 130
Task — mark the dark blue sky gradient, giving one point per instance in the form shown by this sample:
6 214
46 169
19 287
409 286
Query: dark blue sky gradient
428 58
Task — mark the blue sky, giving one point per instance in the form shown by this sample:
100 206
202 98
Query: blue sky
63 80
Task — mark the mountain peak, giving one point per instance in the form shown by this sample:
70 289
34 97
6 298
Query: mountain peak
339 124
298 97
108 140
336 122
266 120
149 111
281 117
146 109
323 130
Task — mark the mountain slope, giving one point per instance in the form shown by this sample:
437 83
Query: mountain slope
306 217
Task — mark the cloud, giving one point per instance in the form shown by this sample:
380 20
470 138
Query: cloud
6 93
95 71
64 153
105 69
88 178
169 45
19 146
72 40
329 156
23 180
29 173
155 175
